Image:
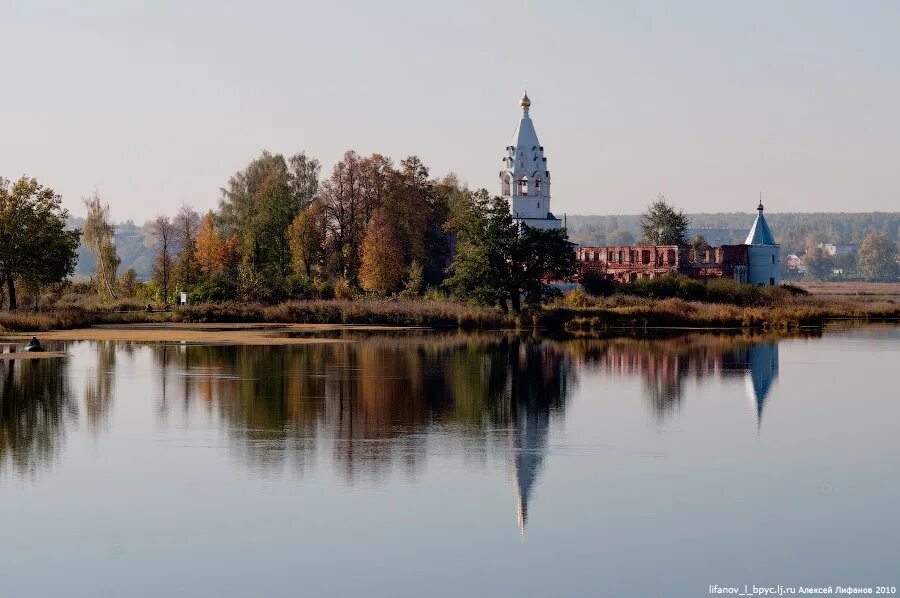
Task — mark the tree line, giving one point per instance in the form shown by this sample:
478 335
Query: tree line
281 231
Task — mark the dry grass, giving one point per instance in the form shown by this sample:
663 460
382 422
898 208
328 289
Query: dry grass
578 311
883 290
785 313
41 321
405 312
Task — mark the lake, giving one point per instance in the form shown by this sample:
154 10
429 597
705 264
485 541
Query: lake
452 464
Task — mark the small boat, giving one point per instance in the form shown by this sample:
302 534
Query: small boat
33 346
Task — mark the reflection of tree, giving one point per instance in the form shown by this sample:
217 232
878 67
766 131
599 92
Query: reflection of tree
35 403
371 401
98 391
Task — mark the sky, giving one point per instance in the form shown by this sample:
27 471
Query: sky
156 104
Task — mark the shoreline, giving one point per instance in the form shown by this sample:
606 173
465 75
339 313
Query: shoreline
288 334
574 313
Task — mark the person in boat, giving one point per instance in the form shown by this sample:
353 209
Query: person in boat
34 345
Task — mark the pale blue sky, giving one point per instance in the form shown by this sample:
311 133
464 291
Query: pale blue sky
157 103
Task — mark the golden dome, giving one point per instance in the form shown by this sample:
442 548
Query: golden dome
525 102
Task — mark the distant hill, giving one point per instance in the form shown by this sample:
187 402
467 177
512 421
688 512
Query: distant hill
790 229
136 247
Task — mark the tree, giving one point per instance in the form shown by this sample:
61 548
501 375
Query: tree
486 234
98 236
699 242
415 280
128 282
35 246
303 180
495 264
382 259
306 237
341 198
662 225
186 224
258 205
877 257
210 246
164 232
818 263
542 256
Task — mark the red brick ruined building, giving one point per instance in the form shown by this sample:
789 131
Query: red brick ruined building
634 262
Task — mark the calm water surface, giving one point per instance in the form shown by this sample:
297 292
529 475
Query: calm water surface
448 465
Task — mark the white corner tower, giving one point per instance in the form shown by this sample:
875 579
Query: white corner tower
525 179
763 253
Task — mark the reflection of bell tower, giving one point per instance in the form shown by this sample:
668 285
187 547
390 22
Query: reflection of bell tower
530 447
762 365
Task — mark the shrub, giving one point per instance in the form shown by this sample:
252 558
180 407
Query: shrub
215 288
343 290
597 285
577 297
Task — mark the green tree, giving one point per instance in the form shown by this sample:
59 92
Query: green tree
486 235
186 225
662 225
35 246
877 257
258 205
818 263
541 256
496 263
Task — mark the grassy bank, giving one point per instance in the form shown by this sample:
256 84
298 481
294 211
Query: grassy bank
775 309
364 312
781 311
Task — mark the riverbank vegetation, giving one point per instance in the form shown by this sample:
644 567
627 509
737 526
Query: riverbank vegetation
373 243
370 230
760 308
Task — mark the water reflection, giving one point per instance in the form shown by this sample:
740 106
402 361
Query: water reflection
372 406
35 404
665 365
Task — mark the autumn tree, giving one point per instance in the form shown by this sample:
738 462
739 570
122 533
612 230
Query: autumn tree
877 257
306 237
99 234
128 283
164 232
35 247
210 252
382 271
662 225
341 200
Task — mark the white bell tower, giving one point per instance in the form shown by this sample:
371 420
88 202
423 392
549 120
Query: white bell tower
525 179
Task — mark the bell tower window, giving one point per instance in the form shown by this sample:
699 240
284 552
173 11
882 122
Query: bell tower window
537 186
505 185
523 186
